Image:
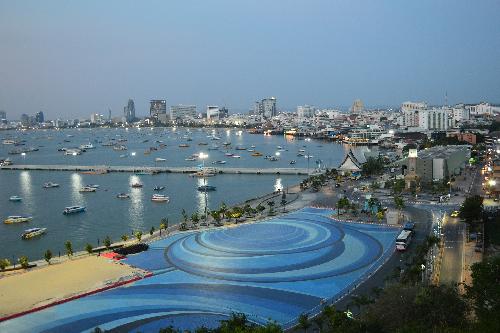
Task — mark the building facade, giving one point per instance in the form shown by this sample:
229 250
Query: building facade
212 112
157 108
357 106
182 112
434 120
129 111
305 111
3 115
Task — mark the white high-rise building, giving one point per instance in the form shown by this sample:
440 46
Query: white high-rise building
460 114
305 111
411 110
212 112
182 112
434 119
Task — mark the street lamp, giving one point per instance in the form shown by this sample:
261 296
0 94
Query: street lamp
203 156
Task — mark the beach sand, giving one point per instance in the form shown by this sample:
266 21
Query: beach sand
37 287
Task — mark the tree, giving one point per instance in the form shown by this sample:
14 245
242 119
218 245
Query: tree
260 208
89 248
373 166
472 208
342 203
107 242
4 263
24 262
124 237
184 215
380 215
69 248
223 209
485 290
183 226
195 218
270 204
303 322
163 224
216 216
399 202
151 231
48 256
138 235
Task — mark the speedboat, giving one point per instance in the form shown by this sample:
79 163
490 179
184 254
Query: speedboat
136 185
252 146
122 196
33 232
93 186
50 185
229 154
158 188
251 150
257 154
87 189
158 159
236 156
292 162
183 145
206 188
73 210
160 198
15 198
87 146
17 219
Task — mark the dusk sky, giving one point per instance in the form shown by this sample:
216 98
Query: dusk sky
73 58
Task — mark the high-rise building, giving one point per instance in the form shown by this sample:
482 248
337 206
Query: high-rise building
305 111
434 119
357 106
266 107
3 115
182 112
212 112
223 112
25 120
411 112
39 117
129 111
157 107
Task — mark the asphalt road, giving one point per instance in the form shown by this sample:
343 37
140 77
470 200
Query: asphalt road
452 261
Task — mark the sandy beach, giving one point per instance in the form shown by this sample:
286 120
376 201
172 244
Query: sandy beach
26 290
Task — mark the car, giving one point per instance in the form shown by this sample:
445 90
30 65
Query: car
455 213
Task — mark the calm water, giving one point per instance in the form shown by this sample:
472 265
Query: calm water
107 215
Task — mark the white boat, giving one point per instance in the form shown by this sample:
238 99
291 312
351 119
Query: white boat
73 152
33 232
191 158
123 196
160 198
15 198
17 219
236 156
158 159
87 189
93 185
50 185
73 210
9 142
120 147
219 162
87 146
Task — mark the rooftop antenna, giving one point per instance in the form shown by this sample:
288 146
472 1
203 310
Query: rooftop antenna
446 98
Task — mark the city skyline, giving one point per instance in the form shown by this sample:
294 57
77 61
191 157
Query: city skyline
315 53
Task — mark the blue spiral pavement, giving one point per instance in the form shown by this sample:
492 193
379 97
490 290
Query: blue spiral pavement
274 269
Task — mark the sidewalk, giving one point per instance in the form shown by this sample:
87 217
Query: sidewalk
470 257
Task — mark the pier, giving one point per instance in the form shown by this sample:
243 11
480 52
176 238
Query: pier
165 169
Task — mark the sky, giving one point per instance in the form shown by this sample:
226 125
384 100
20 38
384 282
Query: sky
73 58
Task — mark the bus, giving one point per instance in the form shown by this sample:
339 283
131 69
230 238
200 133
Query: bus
403 240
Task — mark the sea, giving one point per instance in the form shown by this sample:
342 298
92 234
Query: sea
106 215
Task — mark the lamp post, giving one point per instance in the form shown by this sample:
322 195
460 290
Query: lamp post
203 156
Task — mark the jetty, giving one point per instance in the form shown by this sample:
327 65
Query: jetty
102 169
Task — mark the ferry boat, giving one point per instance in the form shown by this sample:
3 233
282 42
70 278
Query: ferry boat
158 159
50 185
256 154
33 232
158 188
17 219
87 189
15 198
159 198
206 188
122 196
73 210
136 185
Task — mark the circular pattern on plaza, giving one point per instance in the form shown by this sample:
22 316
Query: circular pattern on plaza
284 249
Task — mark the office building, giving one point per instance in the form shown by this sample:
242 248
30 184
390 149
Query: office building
212 112
266 107
39 117
129 111
157 107
182 112
434 120
305 111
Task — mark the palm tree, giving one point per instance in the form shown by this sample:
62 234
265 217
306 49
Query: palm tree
47 256
223 209
107 242
380 215
24 261
319 320
163 224
195 218
4 263
184 215
124 237
152 231
304 322
88 248
69 248
270 204
138 235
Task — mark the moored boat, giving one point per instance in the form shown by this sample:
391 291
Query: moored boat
160 198
206 188
17 219
33 232
158 159
15 198
73 210
158 188
87 189
123 196
256 154
50 185
136 185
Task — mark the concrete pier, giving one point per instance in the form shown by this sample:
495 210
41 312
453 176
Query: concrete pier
163 169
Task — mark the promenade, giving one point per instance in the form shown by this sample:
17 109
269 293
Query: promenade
153 169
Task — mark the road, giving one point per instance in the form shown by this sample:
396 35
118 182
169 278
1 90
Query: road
452 261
